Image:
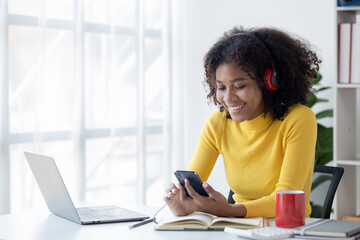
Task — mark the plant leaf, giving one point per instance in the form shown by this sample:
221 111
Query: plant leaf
322 89
318 100
325 113
317 79
325 159
324 145
312 99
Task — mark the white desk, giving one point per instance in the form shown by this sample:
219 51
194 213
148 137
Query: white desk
34 225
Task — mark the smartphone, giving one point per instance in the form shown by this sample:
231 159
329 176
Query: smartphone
194 180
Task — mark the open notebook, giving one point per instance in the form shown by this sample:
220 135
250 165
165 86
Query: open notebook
205 221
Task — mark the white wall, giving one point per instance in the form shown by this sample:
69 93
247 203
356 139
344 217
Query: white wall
206 20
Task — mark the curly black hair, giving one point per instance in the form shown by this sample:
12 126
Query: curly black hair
296 65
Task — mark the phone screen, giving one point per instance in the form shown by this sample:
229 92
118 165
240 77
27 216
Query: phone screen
194 180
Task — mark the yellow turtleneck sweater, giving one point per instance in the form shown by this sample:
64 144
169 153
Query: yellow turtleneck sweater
261 156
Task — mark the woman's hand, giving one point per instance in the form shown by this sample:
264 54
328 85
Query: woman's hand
215 204
178 205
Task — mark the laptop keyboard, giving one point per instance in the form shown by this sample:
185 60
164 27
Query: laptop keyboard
87 214
105 213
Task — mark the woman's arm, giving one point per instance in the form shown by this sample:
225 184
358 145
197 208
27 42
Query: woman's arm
203 161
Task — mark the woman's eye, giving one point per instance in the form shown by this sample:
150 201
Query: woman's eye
220 88
240 87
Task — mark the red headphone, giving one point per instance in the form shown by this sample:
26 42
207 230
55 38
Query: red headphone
270 76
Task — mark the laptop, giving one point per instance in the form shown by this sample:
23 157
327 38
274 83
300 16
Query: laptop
59 201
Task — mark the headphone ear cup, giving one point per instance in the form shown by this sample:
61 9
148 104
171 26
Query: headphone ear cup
268 80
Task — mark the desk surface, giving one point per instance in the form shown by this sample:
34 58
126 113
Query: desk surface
44 225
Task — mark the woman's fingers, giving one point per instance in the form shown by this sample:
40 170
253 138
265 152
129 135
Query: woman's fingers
212 193
171 190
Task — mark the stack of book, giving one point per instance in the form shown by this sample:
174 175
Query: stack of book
349 53
329 229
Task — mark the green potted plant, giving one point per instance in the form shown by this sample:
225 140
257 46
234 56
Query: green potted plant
324 142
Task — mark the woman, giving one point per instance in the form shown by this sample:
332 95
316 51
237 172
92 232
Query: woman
260 78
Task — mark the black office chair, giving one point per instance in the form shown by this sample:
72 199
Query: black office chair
325 178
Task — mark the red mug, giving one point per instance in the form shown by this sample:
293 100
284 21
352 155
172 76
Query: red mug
290 208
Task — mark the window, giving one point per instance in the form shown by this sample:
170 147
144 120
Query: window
84 81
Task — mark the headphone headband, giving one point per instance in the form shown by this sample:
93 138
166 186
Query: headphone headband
270 75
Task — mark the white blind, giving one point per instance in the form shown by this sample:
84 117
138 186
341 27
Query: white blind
89 83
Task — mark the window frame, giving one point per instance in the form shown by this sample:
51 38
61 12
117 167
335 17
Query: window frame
141 130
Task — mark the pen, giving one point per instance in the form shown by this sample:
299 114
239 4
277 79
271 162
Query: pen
141 223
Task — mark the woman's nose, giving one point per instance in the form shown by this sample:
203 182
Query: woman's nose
230 95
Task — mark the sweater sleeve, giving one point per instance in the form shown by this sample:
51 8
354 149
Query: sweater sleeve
299 139
207 150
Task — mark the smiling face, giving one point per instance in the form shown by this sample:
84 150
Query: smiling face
238 93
